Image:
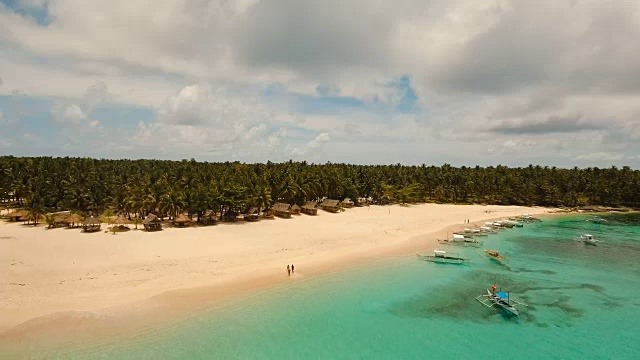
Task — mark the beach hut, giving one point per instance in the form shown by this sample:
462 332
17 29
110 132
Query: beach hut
122 222
295 209
209 218
152 223
32 217
311 208
252 214
348 203
230 216
74 220
268 213
282 210
182 220
331 205
91 224
60 219
17 215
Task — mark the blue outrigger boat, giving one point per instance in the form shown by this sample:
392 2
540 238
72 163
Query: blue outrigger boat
500 299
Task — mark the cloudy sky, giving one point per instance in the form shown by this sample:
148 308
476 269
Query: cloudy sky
362 81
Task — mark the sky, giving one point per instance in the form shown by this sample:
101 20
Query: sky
463 82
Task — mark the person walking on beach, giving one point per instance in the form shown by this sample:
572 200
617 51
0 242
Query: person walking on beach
288 270
292 269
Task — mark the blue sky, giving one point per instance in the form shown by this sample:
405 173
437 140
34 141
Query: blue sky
460 82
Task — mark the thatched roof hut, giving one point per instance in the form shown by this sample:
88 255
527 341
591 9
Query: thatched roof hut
74 219
17 215
348 203
295 209
60 219
252 214
182 220
32 217
282 210
268 213
230 216
91 224
311 208
122 221
151 222
331 205
209 218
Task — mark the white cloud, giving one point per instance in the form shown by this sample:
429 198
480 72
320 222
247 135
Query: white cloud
521 74
199 118
600 156
71 113
512 146
78 113
314 145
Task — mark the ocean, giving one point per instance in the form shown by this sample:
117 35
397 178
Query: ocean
583 302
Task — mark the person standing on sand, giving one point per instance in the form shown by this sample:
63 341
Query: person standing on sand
292 269
288 270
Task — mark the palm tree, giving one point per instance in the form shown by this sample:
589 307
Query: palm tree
171 203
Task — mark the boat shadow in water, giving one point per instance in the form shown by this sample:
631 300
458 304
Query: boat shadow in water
458 301
547 306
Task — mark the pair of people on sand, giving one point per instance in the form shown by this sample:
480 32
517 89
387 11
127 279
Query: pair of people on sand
290 269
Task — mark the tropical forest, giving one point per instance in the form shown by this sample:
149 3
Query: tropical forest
136 188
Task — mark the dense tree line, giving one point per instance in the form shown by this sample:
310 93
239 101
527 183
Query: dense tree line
139 187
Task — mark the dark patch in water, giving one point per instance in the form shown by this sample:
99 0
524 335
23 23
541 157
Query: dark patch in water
524 270
611 304
459 302
564 304
596 288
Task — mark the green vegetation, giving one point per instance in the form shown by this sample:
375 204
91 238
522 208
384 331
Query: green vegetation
139 187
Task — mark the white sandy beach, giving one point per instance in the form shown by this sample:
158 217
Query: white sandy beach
44 272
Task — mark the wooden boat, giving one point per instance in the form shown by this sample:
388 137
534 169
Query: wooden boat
495 255
441 256
501 300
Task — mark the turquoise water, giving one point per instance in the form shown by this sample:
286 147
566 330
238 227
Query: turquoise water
583 302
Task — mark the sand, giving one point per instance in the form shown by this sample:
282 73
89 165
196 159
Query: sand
49 275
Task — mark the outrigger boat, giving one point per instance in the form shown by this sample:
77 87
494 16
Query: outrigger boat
597 219
461 240
588 239
488 230
473 232
441 256
528 218
500 299
495 255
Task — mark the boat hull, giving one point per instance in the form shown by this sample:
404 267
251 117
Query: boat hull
503 304
442 260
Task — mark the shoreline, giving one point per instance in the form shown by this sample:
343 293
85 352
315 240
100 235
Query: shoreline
174 299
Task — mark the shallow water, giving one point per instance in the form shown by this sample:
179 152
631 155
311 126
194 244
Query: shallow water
583 302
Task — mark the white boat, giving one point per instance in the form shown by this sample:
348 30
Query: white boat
500 299
459 239
441 256
588 239
528 218
513 223
488 230
597 220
